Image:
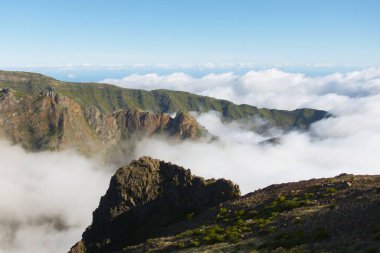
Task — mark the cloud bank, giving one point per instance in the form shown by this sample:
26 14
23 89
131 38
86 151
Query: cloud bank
46 198
346 143
271 88
326 151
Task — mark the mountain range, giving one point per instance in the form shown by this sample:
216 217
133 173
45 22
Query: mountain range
42 113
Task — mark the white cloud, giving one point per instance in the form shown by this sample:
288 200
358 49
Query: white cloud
345 143
336 145
269 88
46 198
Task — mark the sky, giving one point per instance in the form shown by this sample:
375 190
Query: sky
123 32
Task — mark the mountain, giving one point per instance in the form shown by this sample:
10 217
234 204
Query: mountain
109 98
143 197
42 113
154 206
50 121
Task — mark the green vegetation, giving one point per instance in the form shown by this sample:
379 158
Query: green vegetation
233 225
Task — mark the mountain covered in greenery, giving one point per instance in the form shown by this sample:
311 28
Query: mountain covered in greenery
42 113
108 98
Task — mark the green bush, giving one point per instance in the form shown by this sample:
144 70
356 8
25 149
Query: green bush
189 216
281 198
331 191
194 243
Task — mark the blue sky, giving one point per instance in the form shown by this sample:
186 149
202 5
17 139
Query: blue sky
293 32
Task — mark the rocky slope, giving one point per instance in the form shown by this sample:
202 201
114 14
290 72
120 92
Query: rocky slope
51 121
146 196
153 206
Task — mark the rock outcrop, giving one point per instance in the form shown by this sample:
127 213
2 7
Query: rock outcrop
144 197
339 214
46 121
125 124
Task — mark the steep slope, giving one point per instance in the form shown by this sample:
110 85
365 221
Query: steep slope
143 197
50 121
337 214
109 98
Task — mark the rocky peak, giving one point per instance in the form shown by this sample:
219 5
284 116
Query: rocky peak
5 91
146 195
185 126
48 92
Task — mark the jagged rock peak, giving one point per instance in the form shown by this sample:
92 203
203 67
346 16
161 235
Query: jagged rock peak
5 90
48 92
146 196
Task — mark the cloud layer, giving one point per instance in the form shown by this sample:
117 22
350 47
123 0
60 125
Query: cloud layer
269 88
46 198
346 143
326 151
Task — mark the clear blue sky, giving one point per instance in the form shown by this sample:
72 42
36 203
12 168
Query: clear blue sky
269 32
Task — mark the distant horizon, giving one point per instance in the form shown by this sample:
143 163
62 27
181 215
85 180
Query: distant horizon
99 72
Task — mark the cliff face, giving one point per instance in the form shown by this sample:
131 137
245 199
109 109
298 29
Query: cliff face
51 121
145 196
124 124
46 121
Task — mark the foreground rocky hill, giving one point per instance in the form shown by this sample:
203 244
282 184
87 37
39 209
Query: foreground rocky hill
153 206
146 196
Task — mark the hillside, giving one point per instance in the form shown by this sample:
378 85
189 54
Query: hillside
153 206
51 121
109 98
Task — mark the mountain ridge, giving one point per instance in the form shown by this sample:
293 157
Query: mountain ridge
108 98
51 121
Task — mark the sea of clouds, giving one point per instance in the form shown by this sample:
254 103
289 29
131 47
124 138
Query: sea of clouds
346 143
47 198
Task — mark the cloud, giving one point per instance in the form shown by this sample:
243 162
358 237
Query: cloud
46 198
271 88
324 152
346 143
174 81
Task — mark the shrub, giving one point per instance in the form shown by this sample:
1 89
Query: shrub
189 216
199 231
331 191
281 198
194 243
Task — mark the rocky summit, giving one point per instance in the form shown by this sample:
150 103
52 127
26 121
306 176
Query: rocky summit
154 206
145 197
